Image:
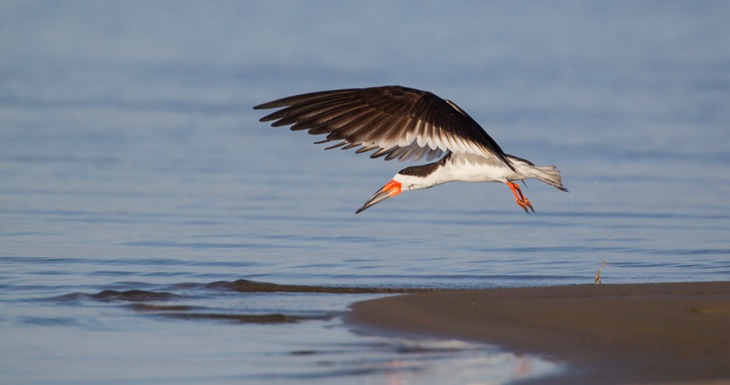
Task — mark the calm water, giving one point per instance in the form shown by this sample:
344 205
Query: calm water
137 186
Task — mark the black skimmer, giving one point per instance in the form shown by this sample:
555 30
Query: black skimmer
408 124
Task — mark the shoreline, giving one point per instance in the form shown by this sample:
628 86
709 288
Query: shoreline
673 333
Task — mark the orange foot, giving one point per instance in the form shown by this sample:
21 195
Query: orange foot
521 200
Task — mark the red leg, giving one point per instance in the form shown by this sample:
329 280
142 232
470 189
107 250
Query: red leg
519 198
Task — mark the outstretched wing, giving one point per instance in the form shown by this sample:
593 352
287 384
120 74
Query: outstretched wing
393 121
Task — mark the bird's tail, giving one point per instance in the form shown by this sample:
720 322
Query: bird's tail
547 174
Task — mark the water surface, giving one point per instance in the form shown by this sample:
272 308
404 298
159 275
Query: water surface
134 175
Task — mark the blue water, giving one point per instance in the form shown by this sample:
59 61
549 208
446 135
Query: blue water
131 160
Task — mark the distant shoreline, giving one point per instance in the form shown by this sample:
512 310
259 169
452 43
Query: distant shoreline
669 333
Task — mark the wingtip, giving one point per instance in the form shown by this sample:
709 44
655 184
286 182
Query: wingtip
267 105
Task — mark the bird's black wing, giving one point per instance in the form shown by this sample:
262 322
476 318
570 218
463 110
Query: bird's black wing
393 121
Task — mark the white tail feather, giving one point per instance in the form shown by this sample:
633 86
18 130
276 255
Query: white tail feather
547 174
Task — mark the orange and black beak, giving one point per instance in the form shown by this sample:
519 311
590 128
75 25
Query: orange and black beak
390 189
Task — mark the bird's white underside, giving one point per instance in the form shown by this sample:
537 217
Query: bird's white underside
466 168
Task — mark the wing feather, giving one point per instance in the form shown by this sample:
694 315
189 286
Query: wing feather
392 121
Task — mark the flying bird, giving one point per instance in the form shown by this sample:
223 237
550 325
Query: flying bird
403 123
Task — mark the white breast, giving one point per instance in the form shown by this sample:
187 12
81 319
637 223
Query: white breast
473 168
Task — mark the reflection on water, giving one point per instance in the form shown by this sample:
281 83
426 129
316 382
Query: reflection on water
142 203
300 343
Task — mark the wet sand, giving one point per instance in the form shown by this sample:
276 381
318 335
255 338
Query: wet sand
675 333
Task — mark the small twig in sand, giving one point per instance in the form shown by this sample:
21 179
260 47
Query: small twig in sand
597 278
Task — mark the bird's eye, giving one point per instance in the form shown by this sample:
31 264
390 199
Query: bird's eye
405 172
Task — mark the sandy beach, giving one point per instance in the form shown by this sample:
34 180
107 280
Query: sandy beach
673 333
